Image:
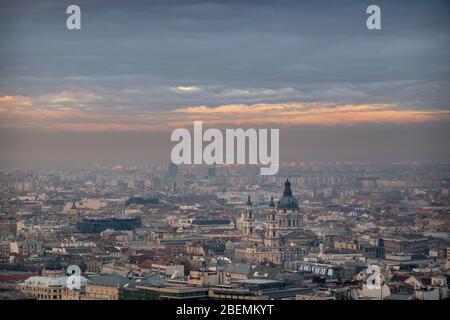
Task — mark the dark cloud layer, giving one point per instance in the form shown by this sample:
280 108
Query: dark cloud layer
229 44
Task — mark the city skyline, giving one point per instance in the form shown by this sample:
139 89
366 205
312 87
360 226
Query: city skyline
225 233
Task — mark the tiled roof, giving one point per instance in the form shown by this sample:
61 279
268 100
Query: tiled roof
239 268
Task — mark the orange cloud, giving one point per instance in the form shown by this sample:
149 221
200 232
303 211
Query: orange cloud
301 114
105 127
235 108
78 111
7 101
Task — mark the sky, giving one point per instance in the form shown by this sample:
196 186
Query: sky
112 92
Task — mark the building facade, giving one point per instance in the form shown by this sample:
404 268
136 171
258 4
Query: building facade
283 238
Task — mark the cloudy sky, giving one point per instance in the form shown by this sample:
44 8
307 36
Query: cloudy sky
113 92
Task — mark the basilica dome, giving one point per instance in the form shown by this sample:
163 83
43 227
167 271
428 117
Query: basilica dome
287 201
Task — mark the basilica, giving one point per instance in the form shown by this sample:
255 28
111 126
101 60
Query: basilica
282 238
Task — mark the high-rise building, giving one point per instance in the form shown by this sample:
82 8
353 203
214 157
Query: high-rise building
172 171
212 172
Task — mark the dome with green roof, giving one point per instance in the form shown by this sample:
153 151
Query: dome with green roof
287 201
